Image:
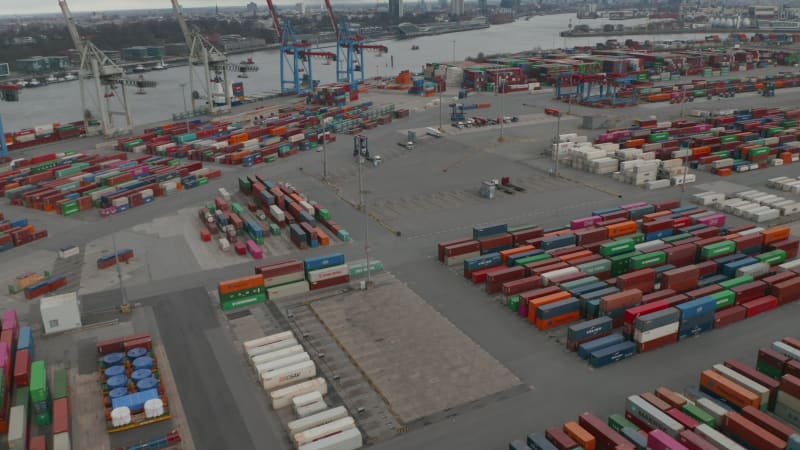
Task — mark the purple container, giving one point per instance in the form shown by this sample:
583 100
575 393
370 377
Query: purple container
577 224
633 205
523 307
10 322
659 440
716 220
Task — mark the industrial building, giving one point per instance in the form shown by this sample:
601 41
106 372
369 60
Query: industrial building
141 53
457 7
396 8
41 64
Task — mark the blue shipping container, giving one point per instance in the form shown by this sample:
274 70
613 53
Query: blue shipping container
585 349
322 262
19 223
690 228
587 288
658 234
729 258
518 445
729 269
583 330
308 218
135 401
554 242
638 212
687 332
697 307
25 341
558 308
488 230
482 262
614 353
635 437
601 212
538 441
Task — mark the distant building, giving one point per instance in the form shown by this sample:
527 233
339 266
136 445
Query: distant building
42 64
765 11
396 8
300 8
443 4
24 40
141 53
457 7
74 56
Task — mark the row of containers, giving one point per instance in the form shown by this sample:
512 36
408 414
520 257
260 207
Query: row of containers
130 382
740 141
655 273
46 134
293 129
277 207
289 376
25 393
281 279
736 406
122 256
70 183
17 232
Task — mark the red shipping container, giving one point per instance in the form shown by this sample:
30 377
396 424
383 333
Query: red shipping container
680 222
144 342
760 305
616 215
607 438
680 279
703 291
749 291
792 342
560 439
591 235
751 434
523 284
643 280
495 280
781 430
620 300
790 246
521 236
707 268
653 399
657 295
585 259
730 315
609 222
329 282
669 396
707 232
683 419
669 204
740 228
694 441
657 225
37 443
791 385
777 278
491 243
536 268
751 372
60 416
773 358
748 242
22 368
564 251
681 255
786 291
632 313
479 276
657 343
444 245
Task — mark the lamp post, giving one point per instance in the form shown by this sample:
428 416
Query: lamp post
441 106
324 155
185 108
454 51
361 149
557 114
119 271
500 87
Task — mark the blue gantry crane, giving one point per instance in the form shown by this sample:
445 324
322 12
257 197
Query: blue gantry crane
9 93
350 47
296 56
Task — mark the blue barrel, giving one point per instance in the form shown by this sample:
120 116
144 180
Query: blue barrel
114 371
118 392
143 362
141 374
137 352
117 381
147 383
113 359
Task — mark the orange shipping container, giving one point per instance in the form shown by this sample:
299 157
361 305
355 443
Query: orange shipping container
535 303
555 322
635 143
659 97
724 172
237 138
557 233
776 234
786 157
323 237
240 284
728 390
513 251
621 229
579 254
653 216
580 435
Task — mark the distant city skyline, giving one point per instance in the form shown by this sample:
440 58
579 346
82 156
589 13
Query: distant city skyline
51 6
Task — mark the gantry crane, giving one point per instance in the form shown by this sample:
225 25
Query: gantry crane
350 46
296 57
9 93
108 83
214 64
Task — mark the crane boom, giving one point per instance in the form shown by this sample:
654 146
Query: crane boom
332 17
275 21
187 33
73 29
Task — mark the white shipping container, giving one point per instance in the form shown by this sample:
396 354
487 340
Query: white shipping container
43 130
277 213
748 383
283 397
61 441
121 201
306 399
288 375
656 333
296 137
283 279
751 231
287 290
716 411
328 273
307 206
648 244
311 408
790 265
323 431
67 252
556 273
18 428
277 354
788 401
346 440
459 259
276 364
266 340
269 348
224 244
147 193
716 438
60 312
315 420
786 350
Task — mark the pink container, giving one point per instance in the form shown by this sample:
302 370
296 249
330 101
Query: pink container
254 249
716 220
10 322
523 308
659 440
633 205
577 224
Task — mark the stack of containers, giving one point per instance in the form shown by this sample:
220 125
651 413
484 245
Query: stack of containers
326 271
61 404
283 278
623 264
241 292
40 394
279 361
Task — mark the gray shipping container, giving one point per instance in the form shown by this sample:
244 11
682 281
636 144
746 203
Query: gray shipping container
61 441
657 319
581 331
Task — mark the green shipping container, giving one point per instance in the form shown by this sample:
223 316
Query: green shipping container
733 282
594 267
530 259
577 283
360 268
617 422
728 138
772 371
652 259
237 208
620 263
60 384
242 294
242 302
722 153
513 303
698 414
258 239
618 247
44 419
719 249
344 235
323 214
38 381
70 207
773 257
274 229
270 158
724 298
201 181
774 130
244 184
699 92
22 397
676 237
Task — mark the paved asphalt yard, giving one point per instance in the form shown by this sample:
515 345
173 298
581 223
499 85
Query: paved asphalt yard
415 199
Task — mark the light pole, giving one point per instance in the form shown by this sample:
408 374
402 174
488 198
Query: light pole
557 114
441 106
500 88
185 108
362 149
454 51
324 155
119 271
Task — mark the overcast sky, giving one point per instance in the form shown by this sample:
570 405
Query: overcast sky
11 7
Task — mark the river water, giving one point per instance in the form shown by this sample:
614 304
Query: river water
61 102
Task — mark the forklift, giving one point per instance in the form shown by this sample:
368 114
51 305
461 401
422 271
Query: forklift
361 147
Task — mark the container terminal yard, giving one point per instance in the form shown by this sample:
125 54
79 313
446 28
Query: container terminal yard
416 274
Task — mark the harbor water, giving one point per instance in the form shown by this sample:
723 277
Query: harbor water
61 102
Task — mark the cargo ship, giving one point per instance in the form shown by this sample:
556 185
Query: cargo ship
501 18
410 30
